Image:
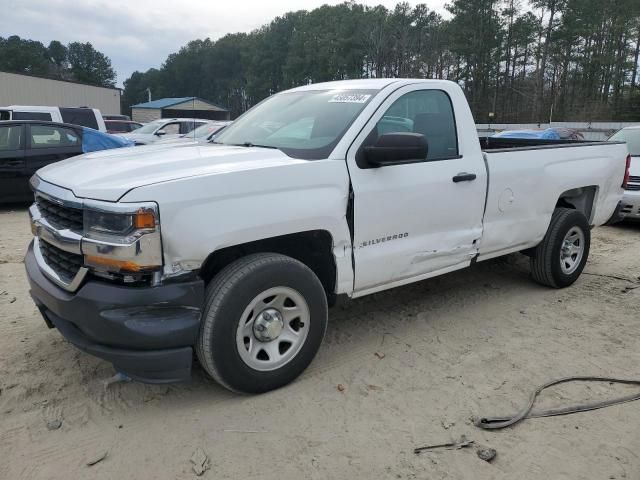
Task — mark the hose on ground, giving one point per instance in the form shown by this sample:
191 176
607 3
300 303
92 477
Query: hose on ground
496 423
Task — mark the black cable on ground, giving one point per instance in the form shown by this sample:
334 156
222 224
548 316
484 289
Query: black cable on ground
495 423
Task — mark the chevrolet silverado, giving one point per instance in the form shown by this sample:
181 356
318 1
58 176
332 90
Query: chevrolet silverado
234 250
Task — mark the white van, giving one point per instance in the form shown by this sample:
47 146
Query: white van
87 117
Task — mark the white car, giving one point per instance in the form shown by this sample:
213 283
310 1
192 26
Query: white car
202 134
631 200
165 128
235 250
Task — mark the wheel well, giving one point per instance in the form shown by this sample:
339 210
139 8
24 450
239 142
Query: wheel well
313 248
580 199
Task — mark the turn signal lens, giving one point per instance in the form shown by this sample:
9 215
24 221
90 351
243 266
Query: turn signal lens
144 219
115 265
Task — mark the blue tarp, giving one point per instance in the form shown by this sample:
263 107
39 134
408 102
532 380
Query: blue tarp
93 141
548 134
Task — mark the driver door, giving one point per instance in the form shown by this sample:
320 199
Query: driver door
414 220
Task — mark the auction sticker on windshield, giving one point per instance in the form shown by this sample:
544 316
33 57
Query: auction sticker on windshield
349 98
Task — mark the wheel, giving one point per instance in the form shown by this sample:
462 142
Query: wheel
264 319
559 259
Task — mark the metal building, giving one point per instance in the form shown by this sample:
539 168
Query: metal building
18 89
182 107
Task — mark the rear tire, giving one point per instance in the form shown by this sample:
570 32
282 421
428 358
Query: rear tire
560 258
265 317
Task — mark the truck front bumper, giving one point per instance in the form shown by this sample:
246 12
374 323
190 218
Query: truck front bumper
147 333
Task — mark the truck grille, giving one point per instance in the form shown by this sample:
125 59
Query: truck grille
60 216
63 263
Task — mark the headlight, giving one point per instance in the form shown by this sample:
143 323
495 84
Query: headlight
122 238
121 225
107 223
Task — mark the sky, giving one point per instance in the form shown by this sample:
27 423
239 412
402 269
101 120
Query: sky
140 34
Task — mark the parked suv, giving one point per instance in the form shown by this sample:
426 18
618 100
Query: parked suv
163 129
84 116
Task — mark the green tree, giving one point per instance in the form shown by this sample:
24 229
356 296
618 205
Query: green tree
90 66
57 53
23 56
566 59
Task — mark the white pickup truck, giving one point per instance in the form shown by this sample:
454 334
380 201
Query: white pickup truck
236 249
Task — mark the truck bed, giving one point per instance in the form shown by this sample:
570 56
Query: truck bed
528 176
499 143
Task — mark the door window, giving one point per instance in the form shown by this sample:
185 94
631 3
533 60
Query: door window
186 127
171 129
10 138
428 112
46 136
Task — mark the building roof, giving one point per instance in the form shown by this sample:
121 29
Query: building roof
168 102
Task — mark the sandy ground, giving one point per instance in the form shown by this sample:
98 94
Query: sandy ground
470 343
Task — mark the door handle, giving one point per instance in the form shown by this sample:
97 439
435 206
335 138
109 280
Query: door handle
464 177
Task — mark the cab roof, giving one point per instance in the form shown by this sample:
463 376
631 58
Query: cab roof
365 84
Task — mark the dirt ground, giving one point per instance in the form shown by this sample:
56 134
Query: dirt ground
470 343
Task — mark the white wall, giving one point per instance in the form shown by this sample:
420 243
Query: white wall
145 115
25 90
194 105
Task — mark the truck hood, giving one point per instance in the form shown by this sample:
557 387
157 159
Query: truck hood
109 174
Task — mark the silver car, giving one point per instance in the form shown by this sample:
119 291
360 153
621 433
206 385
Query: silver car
202 134
163 129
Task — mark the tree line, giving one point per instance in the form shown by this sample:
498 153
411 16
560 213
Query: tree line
76 61
522 61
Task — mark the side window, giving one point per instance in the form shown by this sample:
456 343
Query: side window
186 127
171 128
45 136
10 138
79 116
42 116
428 112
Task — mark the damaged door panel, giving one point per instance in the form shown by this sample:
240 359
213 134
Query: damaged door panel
416 217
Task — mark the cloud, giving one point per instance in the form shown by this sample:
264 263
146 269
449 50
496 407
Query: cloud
138 35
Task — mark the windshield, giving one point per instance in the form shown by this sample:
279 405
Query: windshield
306 124
148 128
631 136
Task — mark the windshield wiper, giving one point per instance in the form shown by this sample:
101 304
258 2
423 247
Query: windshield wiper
249 144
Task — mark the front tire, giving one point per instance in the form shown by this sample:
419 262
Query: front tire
560 258
265 317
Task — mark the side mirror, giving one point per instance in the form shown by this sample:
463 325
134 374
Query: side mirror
396 149
159 133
